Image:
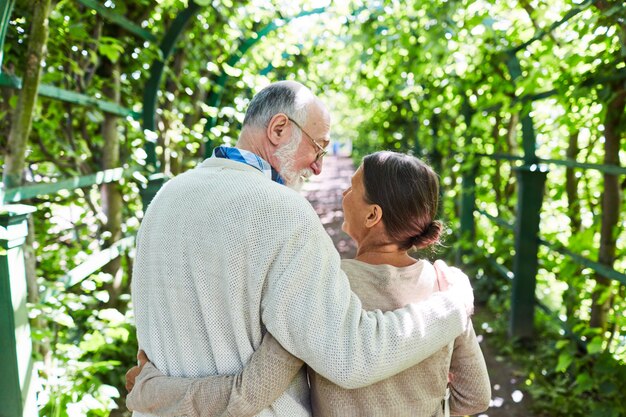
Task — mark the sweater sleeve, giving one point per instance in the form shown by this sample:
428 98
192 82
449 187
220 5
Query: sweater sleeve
309 307
470 388
261 382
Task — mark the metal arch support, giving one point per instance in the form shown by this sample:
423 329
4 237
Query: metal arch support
156 74
540 34
6 8
50 91
269 68
531 179
529 140
119 20
215 97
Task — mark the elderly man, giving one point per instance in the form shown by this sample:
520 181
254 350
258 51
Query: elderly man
227 252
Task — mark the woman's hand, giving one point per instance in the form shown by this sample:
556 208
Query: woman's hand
454 280
133 372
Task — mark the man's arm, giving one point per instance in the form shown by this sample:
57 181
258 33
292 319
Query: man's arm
261 382
309 307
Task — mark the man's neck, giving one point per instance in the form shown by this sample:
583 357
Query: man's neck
250 143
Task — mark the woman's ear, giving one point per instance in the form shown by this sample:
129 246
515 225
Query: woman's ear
277 130
374 216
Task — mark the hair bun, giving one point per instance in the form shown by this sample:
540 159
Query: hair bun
429 236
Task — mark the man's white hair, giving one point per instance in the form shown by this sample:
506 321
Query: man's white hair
287 97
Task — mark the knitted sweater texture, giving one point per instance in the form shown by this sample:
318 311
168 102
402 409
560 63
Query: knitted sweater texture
224 253
419 390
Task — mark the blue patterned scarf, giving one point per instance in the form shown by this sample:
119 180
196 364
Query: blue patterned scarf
248 158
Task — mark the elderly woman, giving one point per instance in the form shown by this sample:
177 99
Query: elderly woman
389 209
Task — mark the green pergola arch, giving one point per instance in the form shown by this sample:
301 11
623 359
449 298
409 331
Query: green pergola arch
214 99
157 68
167 46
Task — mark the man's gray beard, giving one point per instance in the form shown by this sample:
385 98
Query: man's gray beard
300 178
286 155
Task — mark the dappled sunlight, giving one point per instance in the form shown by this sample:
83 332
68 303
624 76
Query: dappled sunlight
519 107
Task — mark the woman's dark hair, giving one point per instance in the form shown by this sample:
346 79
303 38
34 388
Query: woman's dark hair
407 190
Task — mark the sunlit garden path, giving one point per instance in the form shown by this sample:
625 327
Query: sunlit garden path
325 192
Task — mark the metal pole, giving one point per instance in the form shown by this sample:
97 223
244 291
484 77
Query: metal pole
531 187
468 206
6 7
531 179
468 189
17 390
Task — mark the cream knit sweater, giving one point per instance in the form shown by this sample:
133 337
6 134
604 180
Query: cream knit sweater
415 392
419 390
224 253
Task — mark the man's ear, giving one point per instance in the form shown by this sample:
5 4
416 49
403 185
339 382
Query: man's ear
374 216
278 130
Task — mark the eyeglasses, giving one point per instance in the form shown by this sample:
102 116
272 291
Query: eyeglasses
321 151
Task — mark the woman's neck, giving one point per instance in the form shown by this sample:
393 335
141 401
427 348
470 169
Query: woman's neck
388 254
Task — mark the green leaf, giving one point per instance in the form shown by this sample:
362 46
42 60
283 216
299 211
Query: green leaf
79 32
118 333
63 319
595 346
111 48
101 366
565 359
561 344
111 53
584 382
232 71
92 342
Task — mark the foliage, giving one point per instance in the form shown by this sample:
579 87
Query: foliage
431 78
564 374
90 344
